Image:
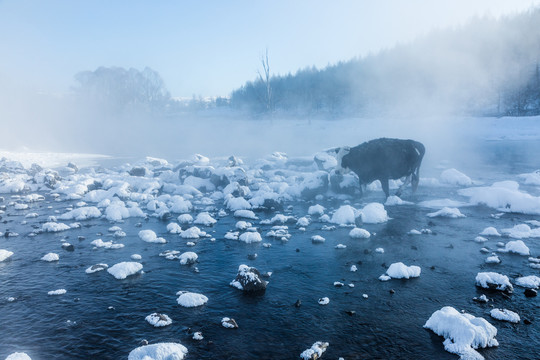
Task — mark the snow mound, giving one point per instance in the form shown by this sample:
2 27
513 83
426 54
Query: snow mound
188 257
192 233
160 351
521 231
516 247
374 213
5 254
316 210
124 269
50 257
455 177
315 351
57 292
463 332
505 315
158 320
82 213
358 233
531 281
453 213
96 268
401 271
18 356
490 231
190 299
151 237
250 237
345 215
54 227
493 280
205 219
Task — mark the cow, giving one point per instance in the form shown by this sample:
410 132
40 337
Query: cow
383 159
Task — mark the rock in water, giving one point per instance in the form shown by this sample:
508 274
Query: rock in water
530 293
315 352
249 279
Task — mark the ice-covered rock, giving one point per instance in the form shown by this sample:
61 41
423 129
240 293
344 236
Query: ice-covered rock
494 281
463 332
159 351
249 279
124 269
158 320
505 315
190 299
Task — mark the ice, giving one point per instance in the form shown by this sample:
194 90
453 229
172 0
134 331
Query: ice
159 351
190 299
463 332
124 269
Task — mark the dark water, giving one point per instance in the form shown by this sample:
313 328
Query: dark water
80 325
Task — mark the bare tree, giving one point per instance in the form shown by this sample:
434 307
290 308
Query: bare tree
264 78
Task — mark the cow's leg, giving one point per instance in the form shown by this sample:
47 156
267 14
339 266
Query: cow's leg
385 187
405 183
415 179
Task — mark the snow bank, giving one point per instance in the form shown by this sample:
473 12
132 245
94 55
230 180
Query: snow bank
463 333
124 269
401 271
190 299
453 213
160 351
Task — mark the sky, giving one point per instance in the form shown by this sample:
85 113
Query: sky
209 48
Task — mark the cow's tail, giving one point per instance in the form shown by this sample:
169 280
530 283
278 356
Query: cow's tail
415 178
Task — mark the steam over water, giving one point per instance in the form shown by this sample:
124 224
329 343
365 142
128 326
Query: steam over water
101 317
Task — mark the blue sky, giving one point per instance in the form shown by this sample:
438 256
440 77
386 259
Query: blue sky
210 47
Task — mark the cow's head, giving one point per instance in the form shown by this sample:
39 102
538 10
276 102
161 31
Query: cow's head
340 167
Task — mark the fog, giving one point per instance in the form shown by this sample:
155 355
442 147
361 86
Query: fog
427 90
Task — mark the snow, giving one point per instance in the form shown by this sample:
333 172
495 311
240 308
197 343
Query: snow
516 247
324 301
247 214
82 213
455 177
505 315
18 356
401 271
159 351
316 210
463 332
396 200
50 257
250 237
379 250
453 213
124 269
358 233
317 239
531 281
96 268
158 320
185 219
489 280
54 227
345 215
57 292
441 203
192 233
188 257
136 257
151 237
374 213
190 299
197 335
205 219
5 254
315 352
106 244
490 231
521 231
493 259
174 228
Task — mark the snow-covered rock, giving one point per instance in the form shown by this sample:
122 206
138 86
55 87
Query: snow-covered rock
463 332
159 351
345 215
315 351
374 213
205 219
18 356
447 212
5 254
531 281
455 177
124 269
96 268
401 271
190 299
358 233
505 315
57 292
188 258
493 280
158 320
151 237
50 257
248 279
250 237
516 247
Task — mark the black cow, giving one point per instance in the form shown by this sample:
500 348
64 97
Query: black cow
383 159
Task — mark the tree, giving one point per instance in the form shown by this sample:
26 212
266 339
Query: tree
265 81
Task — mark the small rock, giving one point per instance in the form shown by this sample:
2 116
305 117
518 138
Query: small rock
527 321
229 323
392 291
530 293
350 312
298 303
252 256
